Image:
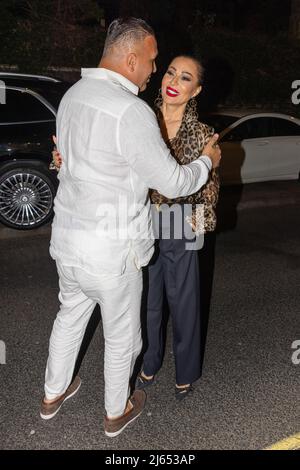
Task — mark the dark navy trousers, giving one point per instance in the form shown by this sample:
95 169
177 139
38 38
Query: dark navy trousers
177 269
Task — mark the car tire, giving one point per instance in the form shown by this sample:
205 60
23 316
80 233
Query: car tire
26 197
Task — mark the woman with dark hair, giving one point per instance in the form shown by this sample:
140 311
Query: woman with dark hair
174 266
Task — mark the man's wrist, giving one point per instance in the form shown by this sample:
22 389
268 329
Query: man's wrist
207 161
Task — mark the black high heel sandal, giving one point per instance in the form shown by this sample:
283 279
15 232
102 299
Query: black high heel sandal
142 382
182 392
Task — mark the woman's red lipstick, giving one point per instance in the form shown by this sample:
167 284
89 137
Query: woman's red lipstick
171 92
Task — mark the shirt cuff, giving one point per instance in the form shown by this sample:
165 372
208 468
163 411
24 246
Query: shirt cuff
207 161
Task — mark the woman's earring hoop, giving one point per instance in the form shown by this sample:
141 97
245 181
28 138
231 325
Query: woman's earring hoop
158 100
191 108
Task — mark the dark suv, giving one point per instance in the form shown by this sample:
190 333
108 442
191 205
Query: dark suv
28 106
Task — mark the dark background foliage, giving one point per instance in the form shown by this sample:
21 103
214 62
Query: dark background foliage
250 49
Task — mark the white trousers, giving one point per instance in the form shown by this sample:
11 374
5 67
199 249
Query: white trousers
119 297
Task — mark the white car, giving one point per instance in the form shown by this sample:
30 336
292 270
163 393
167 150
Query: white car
257 146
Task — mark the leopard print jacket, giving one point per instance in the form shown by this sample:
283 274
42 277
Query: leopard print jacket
185 147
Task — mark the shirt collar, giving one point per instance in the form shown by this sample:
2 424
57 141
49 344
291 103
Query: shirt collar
106 74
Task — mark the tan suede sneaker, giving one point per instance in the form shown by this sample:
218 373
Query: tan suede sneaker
48 410
114 427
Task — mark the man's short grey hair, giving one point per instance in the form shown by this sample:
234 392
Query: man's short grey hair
125 32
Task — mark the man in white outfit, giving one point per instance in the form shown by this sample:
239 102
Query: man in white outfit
113 153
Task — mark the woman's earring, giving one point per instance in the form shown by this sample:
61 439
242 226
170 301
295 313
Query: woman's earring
193 104
158 100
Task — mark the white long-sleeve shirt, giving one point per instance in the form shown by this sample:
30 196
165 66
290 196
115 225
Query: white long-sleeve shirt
113 152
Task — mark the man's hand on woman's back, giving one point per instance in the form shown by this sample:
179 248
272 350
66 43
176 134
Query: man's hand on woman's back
57 160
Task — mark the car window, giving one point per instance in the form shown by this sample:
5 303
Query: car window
54 94
21 106
237 134
252 128
219 121
283 127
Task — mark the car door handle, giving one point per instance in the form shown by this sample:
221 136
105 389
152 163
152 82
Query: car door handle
261 144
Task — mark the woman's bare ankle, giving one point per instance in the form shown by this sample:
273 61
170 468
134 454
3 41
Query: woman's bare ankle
147 377
183 386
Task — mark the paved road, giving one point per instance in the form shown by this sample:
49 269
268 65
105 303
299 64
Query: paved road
248 396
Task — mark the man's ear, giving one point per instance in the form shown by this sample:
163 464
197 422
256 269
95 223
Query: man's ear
131 61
